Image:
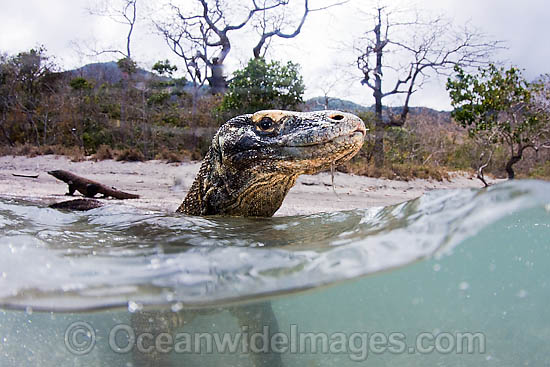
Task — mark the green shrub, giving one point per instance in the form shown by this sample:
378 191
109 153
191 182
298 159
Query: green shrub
263 86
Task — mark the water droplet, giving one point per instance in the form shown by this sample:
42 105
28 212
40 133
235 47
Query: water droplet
522 293
155 263
134 306
463 286
176 307
28 310
437 267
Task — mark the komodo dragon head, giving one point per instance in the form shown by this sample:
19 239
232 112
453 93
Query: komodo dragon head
255 159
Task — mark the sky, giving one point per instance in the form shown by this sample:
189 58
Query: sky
323 48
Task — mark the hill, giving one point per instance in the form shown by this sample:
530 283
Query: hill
318 103
109 72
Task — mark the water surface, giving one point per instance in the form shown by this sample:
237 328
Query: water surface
453 260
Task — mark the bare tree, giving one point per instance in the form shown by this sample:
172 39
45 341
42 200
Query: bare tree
123 12
195 35
410 52
327 89
200 33
327 86
192 48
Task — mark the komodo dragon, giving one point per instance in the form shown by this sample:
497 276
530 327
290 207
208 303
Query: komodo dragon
87 187
255 159
251 165
253 162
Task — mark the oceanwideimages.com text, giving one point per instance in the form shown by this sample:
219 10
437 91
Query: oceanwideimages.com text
80 339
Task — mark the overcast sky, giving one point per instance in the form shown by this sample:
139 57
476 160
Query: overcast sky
322 48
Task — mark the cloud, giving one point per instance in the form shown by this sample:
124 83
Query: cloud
323 47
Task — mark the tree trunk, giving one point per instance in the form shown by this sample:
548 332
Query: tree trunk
379 131
513 160
378 149
379 124
217 80
5 133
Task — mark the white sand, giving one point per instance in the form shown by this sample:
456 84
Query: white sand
163 186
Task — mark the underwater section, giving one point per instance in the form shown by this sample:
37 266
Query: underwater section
457 277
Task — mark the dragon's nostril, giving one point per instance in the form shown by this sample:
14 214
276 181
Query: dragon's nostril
337 117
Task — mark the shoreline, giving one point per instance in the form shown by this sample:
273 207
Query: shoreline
162 186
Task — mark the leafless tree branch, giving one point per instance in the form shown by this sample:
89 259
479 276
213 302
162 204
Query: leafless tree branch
127 15
429 46
203 33
276 31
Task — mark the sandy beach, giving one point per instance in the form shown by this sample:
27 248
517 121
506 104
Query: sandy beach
163 186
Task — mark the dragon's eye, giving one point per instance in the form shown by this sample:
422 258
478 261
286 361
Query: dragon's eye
266 124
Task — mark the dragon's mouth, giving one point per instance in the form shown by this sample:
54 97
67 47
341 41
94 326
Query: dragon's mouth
361 129
359 134
329 150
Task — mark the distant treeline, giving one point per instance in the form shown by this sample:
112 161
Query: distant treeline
42 107
110 111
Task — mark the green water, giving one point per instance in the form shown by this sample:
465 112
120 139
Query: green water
394 286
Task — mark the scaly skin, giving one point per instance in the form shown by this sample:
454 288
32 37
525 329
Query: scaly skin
255 159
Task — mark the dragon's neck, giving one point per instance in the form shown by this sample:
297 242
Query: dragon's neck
219 190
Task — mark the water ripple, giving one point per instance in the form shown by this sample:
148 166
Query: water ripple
117 254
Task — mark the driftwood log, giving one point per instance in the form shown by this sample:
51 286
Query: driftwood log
88 187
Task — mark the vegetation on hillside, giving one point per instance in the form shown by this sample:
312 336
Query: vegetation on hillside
42 107
138 115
